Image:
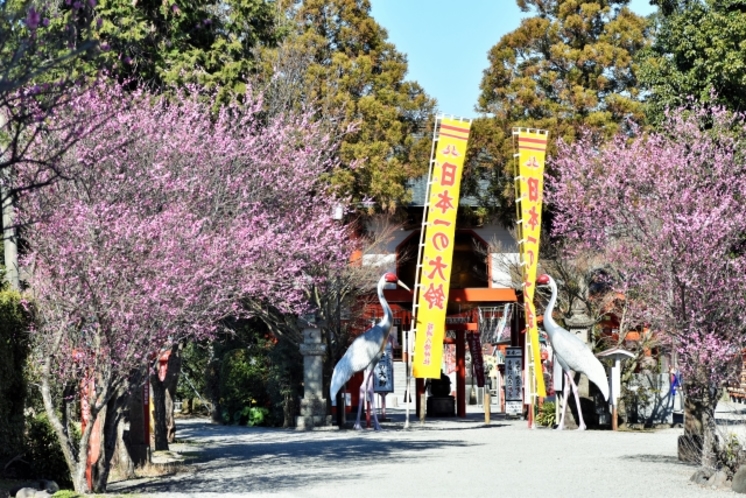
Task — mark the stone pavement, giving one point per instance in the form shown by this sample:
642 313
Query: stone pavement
447 457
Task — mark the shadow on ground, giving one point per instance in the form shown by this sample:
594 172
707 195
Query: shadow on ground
246 460
656 459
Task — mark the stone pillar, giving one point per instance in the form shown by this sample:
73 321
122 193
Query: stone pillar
313 405
579 324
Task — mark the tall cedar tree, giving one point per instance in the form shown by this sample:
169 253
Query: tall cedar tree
570 66
209 43
338 61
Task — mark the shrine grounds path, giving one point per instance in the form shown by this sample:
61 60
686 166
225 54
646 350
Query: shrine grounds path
444 458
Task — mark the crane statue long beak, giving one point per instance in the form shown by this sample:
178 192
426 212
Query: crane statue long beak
400 283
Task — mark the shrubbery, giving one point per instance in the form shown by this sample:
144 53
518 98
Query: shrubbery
44 453
253 377
14 350
243 397
546 415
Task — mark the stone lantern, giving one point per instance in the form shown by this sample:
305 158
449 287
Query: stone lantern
313 405
579 324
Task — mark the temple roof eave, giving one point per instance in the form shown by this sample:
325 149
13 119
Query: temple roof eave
469 295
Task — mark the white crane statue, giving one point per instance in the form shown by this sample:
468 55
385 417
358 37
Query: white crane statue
572 354
365 352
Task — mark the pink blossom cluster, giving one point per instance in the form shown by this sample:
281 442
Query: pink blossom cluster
711 361
666 209
171 219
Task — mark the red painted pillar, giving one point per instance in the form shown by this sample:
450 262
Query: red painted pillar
460 373
88 395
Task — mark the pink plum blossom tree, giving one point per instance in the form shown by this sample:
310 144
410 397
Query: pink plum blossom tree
666 208
159 240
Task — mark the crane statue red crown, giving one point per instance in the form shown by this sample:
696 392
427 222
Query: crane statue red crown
365 352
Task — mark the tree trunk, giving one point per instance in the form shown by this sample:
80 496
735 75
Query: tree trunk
100 467
172 381
699 443
213 385
709 436
113 418
163 406
290 410
73 456
159 413
122 461
137 438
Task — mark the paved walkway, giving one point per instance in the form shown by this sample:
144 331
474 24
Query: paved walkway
443 458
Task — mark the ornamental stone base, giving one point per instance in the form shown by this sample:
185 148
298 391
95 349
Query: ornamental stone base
312 414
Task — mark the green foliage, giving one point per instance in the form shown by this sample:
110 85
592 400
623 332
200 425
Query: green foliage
729 451
254 378
569 67
252 415
44 453
546 415
338 60
14 350
242 379
66 493
193 379
637 393
284 382
203 42
699 48
48 53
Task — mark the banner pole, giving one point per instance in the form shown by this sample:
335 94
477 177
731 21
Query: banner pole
531 147
435 254
418 268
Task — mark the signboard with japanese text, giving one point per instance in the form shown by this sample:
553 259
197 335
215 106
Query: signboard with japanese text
477 361
435 275
383 374
513 381
532 145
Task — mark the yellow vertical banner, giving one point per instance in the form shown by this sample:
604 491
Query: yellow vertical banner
435 275
532 146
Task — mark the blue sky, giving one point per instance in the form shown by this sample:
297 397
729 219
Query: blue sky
440 34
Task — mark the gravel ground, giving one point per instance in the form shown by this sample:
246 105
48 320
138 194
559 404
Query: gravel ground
443 458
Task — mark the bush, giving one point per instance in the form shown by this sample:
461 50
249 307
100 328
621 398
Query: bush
242 387
546 416
253 377
44 453
14 349
285 382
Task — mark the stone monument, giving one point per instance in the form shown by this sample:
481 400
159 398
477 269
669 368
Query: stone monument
579 324
313 405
